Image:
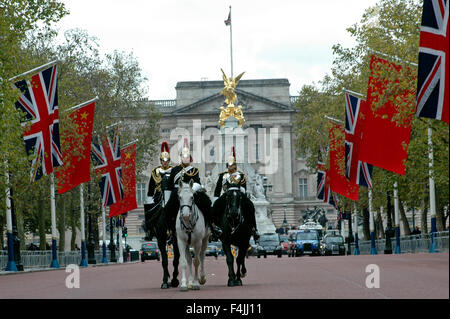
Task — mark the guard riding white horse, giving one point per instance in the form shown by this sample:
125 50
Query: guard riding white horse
191 231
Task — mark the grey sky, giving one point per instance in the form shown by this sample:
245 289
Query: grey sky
176 40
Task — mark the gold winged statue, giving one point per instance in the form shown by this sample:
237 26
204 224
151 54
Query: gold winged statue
230 96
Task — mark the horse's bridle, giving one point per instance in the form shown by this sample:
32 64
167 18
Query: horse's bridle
193 219
227 208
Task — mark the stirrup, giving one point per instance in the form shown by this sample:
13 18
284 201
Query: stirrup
255 234
216 231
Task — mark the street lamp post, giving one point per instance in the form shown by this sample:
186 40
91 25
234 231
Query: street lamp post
266 186
350 233
112 247
91 242
284 219
389 230
16 238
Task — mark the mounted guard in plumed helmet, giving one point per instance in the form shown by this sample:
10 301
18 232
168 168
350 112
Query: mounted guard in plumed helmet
155 215
185 172
234 212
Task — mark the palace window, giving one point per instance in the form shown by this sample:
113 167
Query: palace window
141 195
303 188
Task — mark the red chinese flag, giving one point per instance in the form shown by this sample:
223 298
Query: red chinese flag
128 163
384 143
336 173
76 166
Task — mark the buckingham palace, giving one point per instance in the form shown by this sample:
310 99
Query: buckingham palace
267 107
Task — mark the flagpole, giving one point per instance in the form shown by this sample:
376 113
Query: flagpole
373 249
104 259
354 93
81 105
83 232
432 187
35 69
54 263
356 250
333 119
396 219
128 144
231 44
120 261
392 57
11 266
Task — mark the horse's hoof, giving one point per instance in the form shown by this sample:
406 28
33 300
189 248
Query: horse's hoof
174 283
202 280
243 274
189 287
195 287
184 288
231 283
164 285
238 282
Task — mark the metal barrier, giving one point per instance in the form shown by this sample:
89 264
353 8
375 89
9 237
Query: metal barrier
42 259
408 244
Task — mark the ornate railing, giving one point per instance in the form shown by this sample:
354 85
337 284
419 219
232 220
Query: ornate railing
164 103
293 99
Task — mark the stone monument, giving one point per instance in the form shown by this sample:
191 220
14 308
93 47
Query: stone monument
232 134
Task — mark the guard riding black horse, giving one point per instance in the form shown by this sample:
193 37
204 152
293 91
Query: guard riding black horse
157 224
229 212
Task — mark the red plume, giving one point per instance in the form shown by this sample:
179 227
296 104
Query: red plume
164 147
186 144
232 151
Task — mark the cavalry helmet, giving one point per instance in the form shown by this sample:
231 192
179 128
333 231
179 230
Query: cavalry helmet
165 155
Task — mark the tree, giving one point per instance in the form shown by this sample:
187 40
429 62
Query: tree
391 27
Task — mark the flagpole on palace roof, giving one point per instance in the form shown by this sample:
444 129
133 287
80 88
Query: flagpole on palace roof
35 69
228 22
82 104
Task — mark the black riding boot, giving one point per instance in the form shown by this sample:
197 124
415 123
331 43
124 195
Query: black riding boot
204 203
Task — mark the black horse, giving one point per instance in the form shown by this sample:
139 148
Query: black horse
156 224
229 214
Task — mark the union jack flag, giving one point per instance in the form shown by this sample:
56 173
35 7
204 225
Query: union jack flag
433 73
324 192
321 181
106 159
356 171
39 101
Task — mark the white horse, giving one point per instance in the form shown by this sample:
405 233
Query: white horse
191 231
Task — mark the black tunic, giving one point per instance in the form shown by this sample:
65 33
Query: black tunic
224 181
200 198
159 181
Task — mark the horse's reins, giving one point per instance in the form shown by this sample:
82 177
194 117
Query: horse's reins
192 221
233 229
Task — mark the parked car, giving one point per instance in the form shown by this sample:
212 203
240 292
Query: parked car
284 244
212 250
150 251
332 245
306 242
218 244
269 244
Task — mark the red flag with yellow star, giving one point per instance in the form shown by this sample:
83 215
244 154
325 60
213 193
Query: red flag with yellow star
336 173
76 150
128 163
